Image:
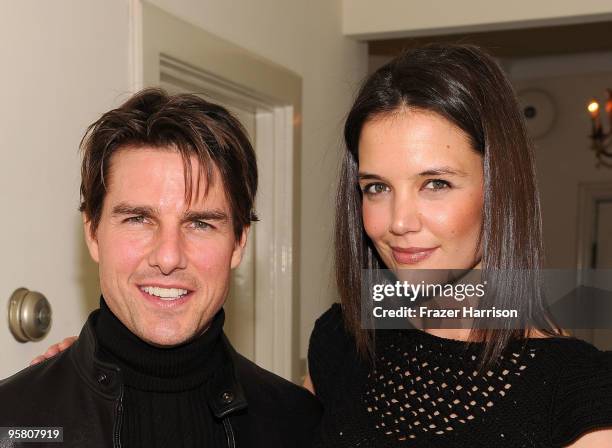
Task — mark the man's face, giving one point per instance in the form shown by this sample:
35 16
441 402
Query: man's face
164 264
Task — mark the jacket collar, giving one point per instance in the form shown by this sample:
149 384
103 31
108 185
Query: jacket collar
225 394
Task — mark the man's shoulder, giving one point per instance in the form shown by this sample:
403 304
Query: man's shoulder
264 389
21 394
278 406
27 380
252 376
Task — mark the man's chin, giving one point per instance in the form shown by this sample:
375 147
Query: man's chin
164 338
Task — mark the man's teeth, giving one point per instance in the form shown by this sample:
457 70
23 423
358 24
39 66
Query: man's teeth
165 293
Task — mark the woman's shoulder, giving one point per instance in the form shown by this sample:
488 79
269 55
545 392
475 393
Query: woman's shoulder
583 360
329 333
575 363
573 352
583 391
330 320
329 348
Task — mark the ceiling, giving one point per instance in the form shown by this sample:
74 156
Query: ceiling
519 43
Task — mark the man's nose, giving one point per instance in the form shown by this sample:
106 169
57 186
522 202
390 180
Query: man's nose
168 253
405 214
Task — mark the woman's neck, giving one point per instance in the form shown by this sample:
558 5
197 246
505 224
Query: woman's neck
458 334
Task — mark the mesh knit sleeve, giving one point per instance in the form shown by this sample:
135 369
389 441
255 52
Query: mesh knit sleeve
326 351
583 401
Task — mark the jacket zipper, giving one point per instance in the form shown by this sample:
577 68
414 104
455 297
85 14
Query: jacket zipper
118 421
229 433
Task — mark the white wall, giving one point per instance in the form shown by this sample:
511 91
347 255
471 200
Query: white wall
306 38
63 64
367 19
67 61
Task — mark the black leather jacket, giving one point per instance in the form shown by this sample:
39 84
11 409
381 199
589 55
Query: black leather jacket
77 391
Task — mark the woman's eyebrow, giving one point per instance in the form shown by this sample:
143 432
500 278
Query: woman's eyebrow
367 176
433 171
437 171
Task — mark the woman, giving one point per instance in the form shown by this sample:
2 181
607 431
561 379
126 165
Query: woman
438 174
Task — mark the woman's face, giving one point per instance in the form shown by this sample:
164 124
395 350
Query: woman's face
422 185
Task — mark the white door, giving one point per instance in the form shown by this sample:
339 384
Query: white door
53 86
40 236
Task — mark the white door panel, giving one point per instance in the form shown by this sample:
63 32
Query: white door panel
64 63
41 237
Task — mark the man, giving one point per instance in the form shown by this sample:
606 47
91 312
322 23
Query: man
167 193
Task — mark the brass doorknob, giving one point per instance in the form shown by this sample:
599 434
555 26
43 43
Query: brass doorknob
29 315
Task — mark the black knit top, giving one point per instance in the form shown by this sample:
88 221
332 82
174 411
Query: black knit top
427 391
164 399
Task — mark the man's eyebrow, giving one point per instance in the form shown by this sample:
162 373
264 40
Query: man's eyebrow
206 215
191 215
127 209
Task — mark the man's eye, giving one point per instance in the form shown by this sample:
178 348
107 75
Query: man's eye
135 219
375 188
201 225
436 184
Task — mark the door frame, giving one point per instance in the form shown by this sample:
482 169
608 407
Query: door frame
164 47
589 194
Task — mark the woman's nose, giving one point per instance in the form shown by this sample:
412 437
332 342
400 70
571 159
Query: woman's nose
405 214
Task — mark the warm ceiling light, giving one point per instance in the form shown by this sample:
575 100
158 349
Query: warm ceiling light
593 107
600 138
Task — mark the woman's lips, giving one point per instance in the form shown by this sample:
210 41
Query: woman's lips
411 255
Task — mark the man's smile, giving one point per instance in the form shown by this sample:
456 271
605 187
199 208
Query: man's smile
165 293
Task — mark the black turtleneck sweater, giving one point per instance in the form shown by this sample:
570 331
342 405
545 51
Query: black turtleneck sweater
164 398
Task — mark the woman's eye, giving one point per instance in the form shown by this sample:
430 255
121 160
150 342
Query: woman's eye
375 188
436 184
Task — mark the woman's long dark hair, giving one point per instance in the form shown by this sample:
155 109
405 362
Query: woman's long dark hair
467 87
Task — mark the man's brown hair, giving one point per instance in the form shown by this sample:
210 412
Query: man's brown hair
185 123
